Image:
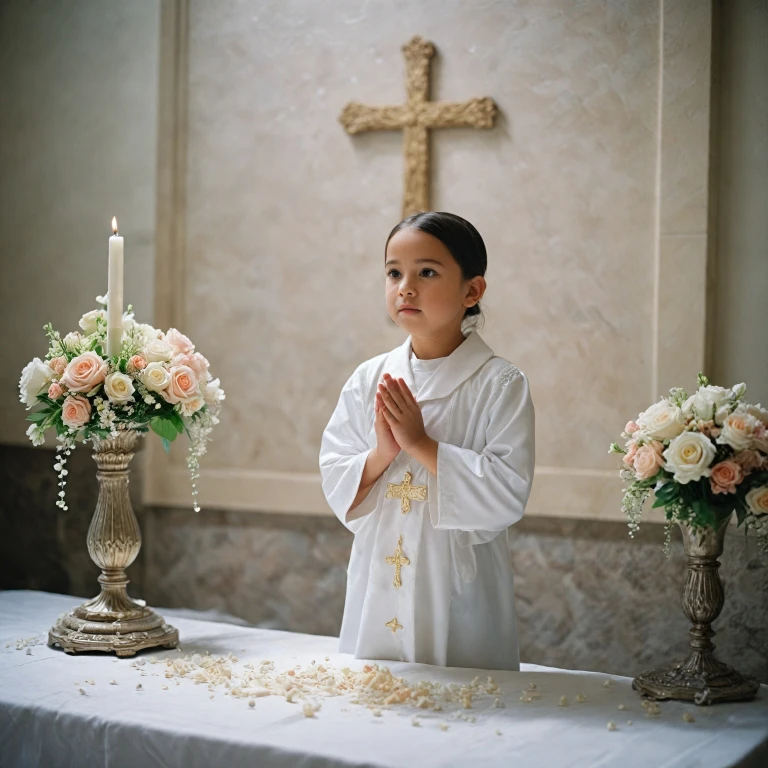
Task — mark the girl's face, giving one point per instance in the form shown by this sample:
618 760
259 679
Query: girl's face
426 292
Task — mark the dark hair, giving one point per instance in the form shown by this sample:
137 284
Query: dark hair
458 236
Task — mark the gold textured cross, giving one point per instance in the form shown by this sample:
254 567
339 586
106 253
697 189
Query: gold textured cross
416 118
405 491
394 625
398 559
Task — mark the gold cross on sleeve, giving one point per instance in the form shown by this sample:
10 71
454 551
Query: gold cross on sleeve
405 492
398 559
416 118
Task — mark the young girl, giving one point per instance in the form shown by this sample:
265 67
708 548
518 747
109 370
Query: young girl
427 459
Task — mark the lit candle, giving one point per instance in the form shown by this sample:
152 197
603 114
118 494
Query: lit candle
115 294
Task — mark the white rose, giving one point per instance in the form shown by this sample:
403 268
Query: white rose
88 322
721 414
739 390
758 412
158 351
149 331
193 405
156 377
212 391
738 430
119 387
705 403
688 457
757 500
34 379
661 420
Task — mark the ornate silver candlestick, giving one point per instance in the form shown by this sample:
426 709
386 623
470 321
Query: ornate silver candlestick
112 621
701 678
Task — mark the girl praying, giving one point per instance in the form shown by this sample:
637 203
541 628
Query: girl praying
427 459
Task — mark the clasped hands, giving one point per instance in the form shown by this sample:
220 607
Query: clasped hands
400 426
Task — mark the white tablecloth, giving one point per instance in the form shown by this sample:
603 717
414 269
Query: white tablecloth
45 721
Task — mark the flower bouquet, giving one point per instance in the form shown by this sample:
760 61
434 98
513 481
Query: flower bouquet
705 456
156 381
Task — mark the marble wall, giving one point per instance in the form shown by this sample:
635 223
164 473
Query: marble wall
591 193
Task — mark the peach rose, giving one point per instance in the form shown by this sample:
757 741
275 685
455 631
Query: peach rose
138 363
631 427
649 460
180 341
84 372
726 475
748 460
58 364
182 386
76 411
629 456
55 391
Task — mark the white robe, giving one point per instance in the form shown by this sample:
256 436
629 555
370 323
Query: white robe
455 605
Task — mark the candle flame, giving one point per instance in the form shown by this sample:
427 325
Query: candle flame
114 224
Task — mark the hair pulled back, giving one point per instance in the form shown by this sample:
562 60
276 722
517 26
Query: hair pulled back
461 239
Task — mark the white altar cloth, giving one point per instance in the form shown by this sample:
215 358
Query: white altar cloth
45 721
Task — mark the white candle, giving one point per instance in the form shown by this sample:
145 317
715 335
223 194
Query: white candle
115 294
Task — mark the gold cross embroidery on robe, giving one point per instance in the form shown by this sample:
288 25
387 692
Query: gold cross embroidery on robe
398 559
405 491
394 625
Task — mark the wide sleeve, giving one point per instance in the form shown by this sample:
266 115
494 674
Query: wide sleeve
343 451
488 491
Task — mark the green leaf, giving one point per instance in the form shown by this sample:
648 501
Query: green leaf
703 511
38 416
164 427
177 422
668 492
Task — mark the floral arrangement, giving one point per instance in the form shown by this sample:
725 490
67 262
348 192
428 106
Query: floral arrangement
158 381
705 456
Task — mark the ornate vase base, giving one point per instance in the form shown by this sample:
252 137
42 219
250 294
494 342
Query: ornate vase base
679 681
122 633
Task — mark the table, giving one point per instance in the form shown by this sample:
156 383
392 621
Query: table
46 721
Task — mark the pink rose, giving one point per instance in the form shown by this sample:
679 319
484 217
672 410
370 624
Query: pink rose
725 477
76 411
58 364
196 362
748 460
55 391
84 372
631 427
649 460
138 363
629 456
182 386
180 341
